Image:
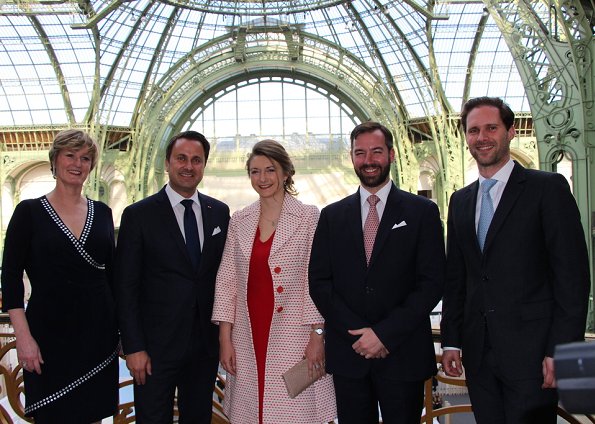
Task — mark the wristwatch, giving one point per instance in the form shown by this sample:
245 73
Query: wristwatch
319 331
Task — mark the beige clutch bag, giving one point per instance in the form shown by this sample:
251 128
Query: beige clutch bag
297 379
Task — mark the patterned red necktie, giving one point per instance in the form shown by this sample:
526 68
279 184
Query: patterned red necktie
371 226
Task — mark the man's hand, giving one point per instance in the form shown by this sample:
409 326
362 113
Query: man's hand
451 362
368 345
139 365
549 376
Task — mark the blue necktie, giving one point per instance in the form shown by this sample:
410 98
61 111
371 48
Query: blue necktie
486 213
191 232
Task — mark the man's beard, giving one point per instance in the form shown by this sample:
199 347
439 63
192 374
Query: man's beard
373 180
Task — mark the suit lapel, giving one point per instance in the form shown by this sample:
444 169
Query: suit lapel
392 215
206 211
514 187
354 218
170 222
467 215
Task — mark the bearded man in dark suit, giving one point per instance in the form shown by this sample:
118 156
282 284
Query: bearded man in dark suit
376 272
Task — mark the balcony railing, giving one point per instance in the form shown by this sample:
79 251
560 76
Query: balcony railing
12 388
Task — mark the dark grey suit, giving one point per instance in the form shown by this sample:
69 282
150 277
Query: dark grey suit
528 291
164 304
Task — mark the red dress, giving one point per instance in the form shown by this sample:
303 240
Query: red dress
261 302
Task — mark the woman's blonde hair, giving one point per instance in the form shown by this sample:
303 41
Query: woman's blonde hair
73 139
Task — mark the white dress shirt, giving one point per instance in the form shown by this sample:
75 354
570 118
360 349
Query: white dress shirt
176 203
495 193
382 195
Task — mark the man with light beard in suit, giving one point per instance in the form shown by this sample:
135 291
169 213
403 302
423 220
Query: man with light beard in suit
517 282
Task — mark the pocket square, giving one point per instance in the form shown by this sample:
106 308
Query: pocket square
216 231
399 225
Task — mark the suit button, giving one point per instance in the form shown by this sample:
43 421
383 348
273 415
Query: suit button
484 278
280 309
277 270
280 289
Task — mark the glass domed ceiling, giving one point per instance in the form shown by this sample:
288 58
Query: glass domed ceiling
255 8
62 62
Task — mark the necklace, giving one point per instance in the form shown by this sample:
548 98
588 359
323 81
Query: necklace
272 221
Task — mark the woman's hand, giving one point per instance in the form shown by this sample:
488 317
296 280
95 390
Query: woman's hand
315 355
28 352
227 357
227 353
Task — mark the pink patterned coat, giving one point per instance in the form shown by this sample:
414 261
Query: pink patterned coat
293 314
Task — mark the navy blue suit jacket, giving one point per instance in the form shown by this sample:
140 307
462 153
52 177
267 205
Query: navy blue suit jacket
394 295
158 290
531 283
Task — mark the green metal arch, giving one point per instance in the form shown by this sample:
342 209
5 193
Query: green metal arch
157 165
214 66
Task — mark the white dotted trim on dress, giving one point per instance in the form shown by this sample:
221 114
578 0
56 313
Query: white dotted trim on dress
71 386
78 244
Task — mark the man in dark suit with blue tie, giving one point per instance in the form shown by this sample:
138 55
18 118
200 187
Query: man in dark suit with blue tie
376 272
517 276
169 248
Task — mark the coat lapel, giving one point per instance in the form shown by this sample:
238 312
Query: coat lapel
170 222
354 218
246 227
467 217
289 221
208 226
514 187
392 215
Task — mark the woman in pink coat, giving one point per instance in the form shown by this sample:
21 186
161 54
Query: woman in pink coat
267 321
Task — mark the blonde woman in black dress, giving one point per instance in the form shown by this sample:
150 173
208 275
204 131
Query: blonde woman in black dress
66 339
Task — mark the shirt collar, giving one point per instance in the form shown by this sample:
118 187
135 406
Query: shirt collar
503 173
382 193
175 198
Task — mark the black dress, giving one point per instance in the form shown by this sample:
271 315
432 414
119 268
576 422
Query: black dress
71 311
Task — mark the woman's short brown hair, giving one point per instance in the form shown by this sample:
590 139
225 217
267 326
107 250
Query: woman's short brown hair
275 151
